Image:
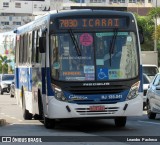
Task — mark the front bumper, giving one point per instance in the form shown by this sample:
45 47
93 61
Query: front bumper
57 109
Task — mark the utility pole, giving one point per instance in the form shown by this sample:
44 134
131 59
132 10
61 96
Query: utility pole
155 41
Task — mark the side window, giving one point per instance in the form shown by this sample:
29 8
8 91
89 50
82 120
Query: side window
25 38
33 46
17 49
29 47
157 81
38 54
21 50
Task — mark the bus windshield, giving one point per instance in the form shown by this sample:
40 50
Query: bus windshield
99 58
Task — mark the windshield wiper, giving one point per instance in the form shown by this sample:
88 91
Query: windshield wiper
75 43
112 45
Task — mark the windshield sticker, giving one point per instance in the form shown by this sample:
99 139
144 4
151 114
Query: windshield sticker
56 65
111 34
129 38
76 73
115 74
88 69
99 61
89 76
86 39
75 78
102 74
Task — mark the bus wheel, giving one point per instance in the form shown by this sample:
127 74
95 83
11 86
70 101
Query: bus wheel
120 121
26 114
150 114
1 91
49 123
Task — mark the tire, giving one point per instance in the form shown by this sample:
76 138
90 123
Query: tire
8 90
40 105
40 108
144 105
1 91
26 114
120 121
12 96
150 114
49 123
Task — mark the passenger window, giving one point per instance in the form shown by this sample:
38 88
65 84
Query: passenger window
33 46
21 50
157 81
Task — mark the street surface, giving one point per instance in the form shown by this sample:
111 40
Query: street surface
71 132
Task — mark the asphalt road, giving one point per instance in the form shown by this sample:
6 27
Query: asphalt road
81 131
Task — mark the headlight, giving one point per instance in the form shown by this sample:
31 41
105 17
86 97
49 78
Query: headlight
133 93
59 93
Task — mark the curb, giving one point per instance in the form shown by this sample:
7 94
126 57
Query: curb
2 122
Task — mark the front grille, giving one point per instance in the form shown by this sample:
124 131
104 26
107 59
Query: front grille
96 89
87 102
86 111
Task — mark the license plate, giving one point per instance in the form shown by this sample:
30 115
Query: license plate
96 108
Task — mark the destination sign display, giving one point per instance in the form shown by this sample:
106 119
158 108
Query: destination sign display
86 23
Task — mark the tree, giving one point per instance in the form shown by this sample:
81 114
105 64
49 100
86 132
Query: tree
148 29
4 64
156 35
154 14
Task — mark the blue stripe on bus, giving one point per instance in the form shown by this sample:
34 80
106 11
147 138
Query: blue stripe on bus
97 98
43 80
110 98
16 78
23 78
50 91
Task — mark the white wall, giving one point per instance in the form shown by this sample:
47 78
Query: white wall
27 7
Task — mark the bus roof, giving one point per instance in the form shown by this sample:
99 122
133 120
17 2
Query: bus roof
67 13
92 12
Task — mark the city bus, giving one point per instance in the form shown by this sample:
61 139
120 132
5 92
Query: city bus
79 64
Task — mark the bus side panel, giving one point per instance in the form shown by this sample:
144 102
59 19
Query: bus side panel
36 85
25 86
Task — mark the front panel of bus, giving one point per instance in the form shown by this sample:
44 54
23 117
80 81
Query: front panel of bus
94 61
